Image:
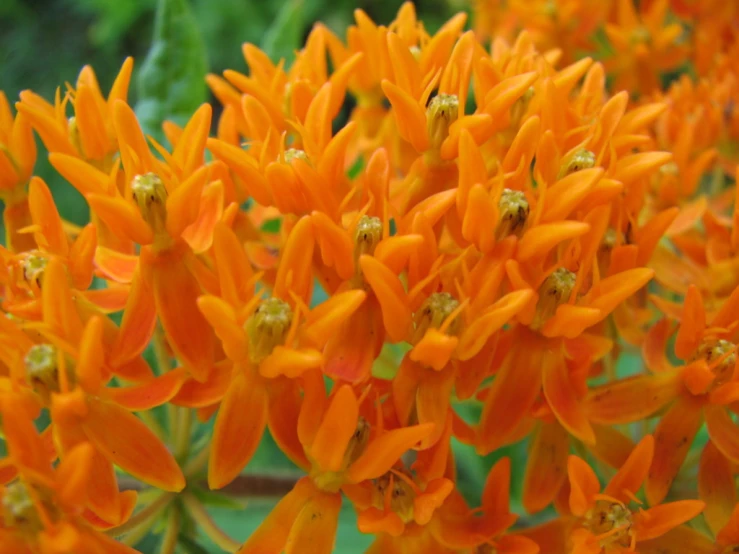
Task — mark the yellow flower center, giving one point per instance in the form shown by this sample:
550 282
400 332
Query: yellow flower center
442 111
581 159
401 494
610 522
19 511
267 328
433 312
721 355
33 267
514 210
42 371
554 291
367 236
296 154
150 196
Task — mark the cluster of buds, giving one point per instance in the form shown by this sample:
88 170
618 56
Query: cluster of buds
473 254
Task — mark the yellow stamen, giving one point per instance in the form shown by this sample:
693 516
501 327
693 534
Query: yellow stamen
150 196
397 494
367 236
19 510
721 357
579 160
442 111
610 522
33 268
267 328
432 314
554 291
296 154
514 211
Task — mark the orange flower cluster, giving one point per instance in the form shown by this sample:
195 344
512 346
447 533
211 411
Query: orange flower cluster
481 229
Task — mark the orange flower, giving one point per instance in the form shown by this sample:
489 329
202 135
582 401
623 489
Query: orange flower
604 521
644 46
170 209
41 508
17 158
270 343
343 450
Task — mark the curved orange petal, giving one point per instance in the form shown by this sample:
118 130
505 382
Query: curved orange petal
222 318
716 487
630 476
229 455
396 314
50 236
631 399
296 261
382 452
188 333
271 535
546 466
673 438
148 395
315 525
563 399
435 349
656 521
339 424
290 362
323 321
541 239
723 431
374 521
129 443
677 541
409 116
122 218
584 485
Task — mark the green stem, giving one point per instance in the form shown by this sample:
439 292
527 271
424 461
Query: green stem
153 424
169 540
197 463
182 438
144 516
161 355
209 527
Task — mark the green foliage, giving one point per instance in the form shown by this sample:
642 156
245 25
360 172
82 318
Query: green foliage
171 81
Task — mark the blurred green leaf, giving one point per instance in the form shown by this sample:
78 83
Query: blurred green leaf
285 34
171 82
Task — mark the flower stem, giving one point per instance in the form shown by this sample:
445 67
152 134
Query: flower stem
197 463
159 344
143 517
206 523
182 438
169 540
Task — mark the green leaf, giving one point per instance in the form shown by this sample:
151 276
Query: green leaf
285 35
171 82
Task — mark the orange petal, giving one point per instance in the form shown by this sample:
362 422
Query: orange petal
374 521
188 332
656 521
692 324
81 255
396 314
323 321
409 116
723 431
338 425
630 476
563 197
90 356
673 438
432 403
435 349
562 396
495 494
51 236
315 525
139 318
73 472
82 175
494 318
424 505
716 488
116 265
121 217
631 399
228 456
546 466
222 318
296 261
289 362
383 451
677 541
59 310
271 535
131 446
584 485
151 394
182 204
541 239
